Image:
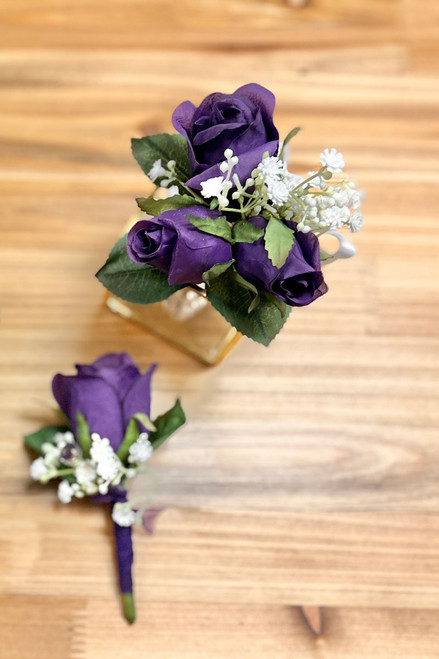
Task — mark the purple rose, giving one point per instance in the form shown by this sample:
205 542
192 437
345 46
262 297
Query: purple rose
173 245
298 282
242 121
107 393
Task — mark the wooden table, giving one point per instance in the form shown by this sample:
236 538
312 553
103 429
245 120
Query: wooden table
308 474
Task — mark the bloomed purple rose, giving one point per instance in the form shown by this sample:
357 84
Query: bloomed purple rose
173 245
242 121
298 282
107 393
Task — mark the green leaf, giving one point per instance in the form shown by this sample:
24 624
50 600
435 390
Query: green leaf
290 136
245 284
233 301
167 424
155 207
324 256
278 240
254 303
219 227
245 232
83 434
216 270
277 303
164 147
141 284
145 421
250 287
45 435
131 435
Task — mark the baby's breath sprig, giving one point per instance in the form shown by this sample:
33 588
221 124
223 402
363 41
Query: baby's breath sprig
272 191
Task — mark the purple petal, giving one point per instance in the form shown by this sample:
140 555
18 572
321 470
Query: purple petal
149 519
118 369
182 121
260 96
95 399
138 398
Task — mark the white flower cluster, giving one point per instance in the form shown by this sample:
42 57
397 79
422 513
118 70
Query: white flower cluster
335 208
87 476
219 186
272 190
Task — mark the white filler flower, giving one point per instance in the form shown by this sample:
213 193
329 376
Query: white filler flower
108 465
356 221
123 514
141 450
65 492
212 187
333 160
157 171
38 469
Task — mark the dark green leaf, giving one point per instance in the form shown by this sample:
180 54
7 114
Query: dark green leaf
131 435
83 434
245 232
278 240
219 227
141 284
232 301
272 299
250 287
216 270
45 435
164 147
167 424
155 207
254 303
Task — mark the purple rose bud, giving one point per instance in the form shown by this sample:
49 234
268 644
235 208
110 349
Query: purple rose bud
242 121
107 393
173 245
298 282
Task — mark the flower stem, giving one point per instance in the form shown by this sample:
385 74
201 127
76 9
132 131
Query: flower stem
124 559
129 610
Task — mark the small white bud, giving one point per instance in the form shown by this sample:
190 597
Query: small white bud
223 167
228 153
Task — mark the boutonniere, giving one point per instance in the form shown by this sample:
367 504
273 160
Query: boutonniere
108 438
236 224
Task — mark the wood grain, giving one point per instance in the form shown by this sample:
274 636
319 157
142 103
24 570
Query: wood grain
307 478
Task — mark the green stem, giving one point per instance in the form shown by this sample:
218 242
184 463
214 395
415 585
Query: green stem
307 180
129 610
191 192
64 472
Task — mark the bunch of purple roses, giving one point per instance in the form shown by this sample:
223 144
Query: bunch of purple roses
235 221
